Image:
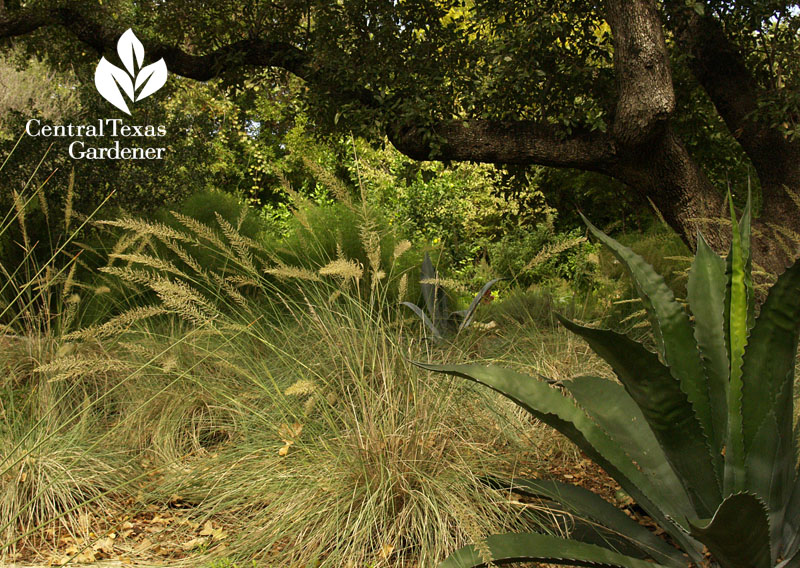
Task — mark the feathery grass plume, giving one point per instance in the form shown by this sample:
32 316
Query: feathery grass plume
70 280
302 387
240 244
183 300
284 271
550 251
794 195
343 268
329 180
19 206
43 205
241 218
74 366
401 248
68 212
721 221
141 228
371 242
298 202
116 325
186 257
148 261
448 283
231 292
402 288
202 231
240 281
788 239
128 275
125 241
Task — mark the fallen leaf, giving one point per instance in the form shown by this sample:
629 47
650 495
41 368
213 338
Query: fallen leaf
209 530
194 543
104 545
285 449
386 551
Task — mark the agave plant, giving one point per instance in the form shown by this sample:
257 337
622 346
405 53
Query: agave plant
440 320
700 434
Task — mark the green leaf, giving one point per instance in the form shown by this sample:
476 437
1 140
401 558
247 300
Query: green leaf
470 311
433 294
706 293
767 402
738 536
534 547
555 410
583 503
770 472
789 543
769 363
425 319
737 331
671 328
665 407
612 408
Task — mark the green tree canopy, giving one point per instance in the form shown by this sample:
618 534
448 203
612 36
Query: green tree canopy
658 95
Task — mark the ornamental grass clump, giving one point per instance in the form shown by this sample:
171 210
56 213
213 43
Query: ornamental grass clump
700 433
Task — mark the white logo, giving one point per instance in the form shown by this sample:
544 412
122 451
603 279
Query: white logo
109 79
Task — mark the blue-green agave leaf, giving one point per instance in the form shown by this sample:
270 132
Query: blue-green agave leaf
788 546
770 472
665 407
584 504
706 294
769 362
671 328
470 312
434 296
534 547
738 536
425 319
612 408
554 409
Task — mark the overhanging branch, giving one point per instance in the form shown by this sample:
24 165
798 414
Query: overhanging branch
502 142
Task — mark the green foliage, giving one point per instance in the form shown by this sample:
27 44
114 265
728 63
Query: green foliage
207 207
463 207
317 235
699 433
536 255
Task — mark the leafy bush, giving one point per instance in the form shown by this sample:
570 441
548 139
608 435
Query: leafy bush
204 206
320 234
700 434
535 256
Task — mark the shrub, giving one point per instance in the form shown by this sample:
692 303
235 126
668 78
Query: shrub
536 256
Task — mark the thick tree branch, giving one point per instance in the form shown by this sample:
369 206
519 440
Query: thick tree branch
719 67
499 142
646 98
102 38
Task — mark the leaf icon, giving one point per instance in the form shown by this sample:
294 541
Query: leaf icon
128 48
152 77
108 78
